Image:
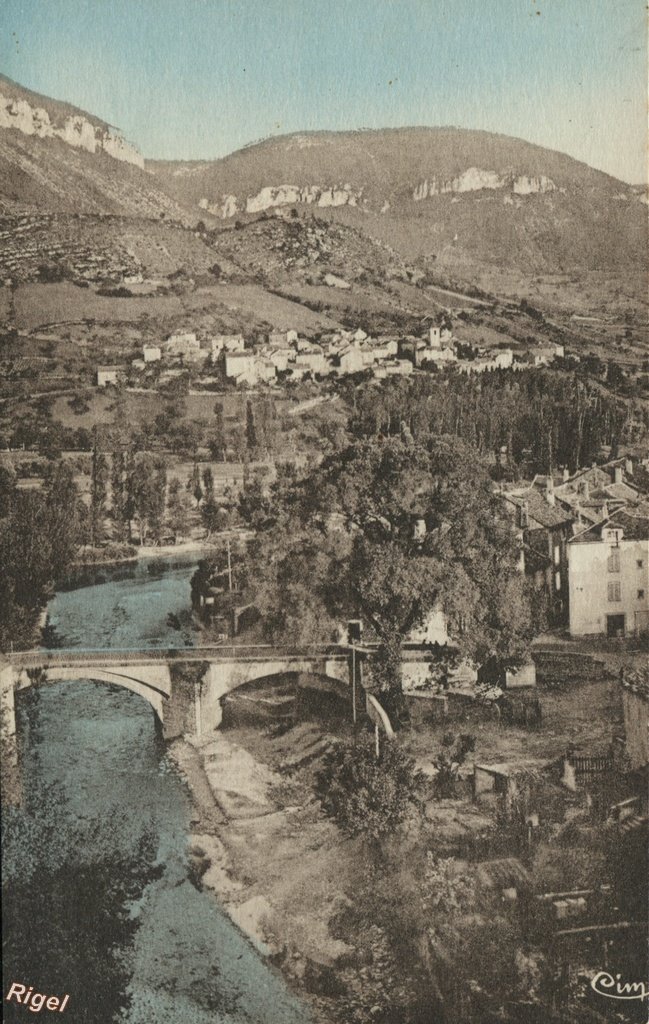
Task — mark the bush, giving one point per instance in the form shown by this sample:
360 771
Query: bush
365 795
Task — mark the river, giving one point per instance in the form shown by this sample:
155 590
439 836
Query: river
99 747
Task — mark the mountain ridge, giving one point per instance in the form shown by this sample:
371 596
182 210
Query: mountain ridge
472 203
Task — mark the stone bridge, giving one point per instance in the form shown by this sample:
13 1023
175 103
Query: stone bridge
149 674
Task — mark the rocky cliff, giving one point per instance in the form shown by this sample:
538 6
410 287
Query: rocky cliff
56 158
47 120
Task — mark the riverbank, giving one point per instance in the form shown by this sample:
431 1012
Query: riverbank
90 558
261 846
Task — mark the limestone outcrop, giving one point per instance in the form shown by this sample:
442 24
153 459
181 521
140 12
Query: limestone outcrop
475 179
75 130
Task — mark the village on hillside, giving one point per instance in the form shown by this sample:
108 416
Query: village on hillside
286 357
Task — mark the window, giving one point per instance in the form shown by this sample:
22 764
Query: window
557 580
640 563
640 595
614 592
557 554
614 560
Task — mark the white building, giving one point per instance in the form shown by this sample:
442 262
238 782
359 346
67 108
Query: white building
350 360
107 375
280 357
226 343
608 577
439 356
182 344
281 339
249 368
313 361
151 353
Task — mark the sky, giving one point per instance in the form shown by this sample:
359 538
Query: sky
197 79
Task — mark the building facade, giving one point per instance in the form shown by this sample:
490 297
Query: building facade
608 571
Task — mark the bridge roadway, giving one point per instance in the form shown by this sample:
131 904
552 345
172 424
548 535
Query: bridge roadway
72 657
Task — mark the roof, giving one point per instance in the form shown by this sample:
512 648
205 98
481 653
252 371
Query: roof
530 766
505 873
622 491
634 524
539 509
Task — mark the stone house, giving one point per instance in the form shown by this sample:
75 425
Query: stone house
544 529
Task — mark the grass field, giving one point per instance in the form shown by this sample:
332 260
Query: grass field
251 300
40 304
5 305
142 408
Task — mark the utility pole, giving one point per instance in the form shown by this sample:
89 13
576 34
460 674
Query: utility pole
353 684
229 566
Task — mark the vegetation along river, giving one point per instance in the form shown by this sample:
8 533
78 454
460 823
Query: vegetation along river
99 850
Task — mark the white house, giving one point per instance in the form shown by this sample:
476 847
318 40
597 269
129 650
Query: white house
280 357
313 361
249 368
151 353
107 375
226 343
182 344
350 360
608 577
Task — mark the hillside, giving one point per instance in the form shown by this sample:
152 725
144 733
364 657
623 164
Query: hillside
56 158
461 207
455 196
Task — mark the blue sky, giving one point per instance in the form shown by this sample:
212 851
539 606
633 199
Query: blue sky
199 78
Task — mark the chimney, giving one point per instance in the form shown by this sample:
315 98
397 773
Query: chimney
549 490
619 475
566 474
584 489
628 467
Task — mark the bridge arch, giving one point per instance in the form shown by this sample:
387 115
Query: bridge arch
224 676
138 679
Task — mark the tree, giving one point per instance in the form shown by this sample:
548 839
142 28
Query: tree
147 492
365 795
7 490
345 535
194 484
65 513
38 544
215 517
217 442
98 494
90 867
208 482
252 437
177 510
120 497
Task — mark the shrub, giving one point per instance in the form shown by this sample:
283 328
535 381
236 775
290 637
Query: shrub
365 795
